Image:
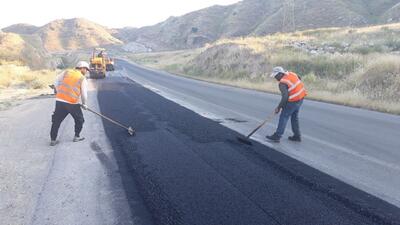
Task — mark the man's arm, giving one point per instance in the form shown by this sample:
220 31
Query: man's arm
84 91
285 95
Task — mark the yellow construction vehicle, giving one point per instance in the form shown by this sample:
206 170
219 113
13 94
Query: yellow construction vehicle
98 64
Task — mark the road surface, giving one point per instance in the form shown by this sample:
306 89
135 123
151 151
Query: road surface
359 147
184 166
190 169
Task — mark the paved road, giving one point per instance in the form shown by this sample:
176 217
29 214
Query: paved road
359 147
191 170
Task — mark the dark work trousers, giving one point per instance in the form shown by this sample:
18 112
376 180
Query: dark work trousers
290 110
62 110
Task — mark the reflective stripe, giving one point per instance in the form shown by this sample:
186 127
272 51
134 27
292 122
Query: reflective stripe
287 81
297 94
295 85
69 87
75 90
68 94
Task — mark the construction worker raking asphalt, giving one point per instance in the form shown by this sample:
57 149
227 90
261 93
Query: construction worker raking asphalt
293 92
71 88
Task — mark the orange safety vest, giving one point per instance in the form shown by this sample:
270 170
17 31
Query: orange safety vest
296 87
69 89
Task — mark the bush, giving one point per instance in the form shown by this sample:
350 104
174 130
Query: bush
309 78
381 79
323 66
23 77
365 50
228 61
393 43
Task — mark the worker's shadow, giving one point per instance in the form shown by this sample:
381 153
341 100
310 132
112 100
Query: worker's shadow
102 157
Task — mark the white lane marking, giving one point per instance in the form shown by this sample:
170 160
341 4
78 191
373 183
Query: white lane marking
364 157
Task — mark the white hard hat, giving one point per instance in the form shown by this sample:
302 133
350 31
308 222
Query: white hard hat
82 64
277 70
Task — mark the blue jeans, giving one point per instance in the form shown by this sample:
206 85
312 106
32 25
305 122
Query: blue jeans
290 110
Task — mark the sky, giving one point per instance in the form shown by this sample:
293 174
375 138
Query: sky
110 13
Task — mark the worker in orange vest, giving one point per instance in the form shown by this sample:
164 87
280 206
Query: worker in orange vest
71 91
293 92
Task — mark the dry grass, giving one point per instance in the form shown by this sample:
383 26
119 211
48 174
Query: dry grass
13 76
20 82
161 59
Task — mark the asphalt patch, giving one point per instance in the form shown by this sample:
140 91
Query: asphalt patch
189 170
236 120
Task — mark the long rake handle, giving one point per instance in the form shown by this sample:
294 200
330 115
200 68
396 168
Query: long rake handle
261 125
107 118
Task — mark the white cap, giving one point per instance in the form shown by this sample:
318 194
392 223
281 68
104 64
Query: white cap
277 70
82 64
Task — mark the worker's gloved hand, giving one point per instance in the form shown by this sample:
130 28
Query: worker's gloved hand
84 106
278 110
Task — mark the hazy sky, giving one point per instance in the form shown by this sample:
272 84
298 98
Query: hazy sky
111 13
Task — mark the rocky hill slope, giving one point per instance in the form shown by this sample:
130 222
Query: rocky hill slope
259 17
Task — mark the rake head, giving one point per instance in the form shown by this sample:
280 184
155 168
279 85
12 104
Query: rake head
131 131
244 140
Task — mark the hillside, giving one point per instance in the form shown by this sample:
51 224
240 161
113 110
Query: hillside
70 34
14 48
74 34
195 29
21 28
259 17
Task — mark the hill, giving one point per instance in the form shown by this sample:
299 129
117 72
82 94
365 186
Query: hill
21 28
73 34
14 48
69 34
259 17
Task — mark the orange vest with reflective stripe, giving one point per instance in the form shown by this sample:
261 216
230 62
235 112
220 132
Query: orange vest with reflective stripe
69 89
296 87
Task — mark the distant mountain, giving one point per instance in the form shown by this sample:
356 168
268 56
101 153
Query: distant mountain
70 34
75 34
21 28
13 47
259 17
195 29
191 30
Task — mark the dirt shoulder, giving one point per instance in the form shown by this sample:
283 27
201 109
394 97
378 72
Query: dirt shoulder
42 184
25 157
12 97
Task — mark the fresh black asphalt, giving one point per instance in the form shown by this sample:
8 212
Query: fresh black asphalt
191 170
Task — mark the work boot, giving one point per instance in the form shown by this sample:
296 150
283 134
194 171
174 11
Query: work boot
273 138
295 138
53 143
76 139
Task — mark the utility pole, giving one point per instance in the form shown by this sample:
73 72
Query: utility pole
289 23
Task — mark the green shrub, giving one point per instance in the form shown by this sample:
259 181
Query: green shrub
393 43
323 66
365 50
309 78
